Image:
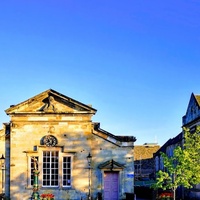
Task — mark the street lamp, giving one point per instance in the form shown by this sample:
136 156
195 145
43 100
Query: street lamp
89 159
36 172
2 168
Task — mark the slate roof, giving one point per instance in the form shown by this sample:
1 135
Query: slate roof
145 151
197 97
118 138
171 141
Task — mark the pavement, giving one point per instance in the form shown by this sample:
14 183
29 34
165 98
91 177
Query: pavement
138 198
141 199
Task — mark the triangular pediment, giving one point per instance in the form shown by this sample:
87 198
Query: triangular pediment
111 165
50 101
193 109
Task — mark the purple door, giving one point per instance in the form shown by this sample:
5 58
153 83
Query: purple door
111 185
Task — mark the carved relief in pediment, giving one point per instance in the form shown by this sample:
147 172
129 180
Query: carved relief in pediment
50 101
49 105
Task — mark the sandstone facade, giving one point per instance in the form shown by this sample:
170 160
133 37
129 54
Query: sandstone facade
59 132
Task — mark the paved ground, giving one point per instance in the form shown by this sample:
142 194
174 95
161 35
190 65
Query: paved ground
141 199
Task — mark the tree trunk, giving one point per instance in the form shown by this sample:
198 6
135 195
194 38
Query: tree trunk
174 193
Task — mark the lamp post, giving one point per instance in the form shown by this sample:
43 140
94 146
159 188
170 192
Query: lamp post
89 159
36 172
3 169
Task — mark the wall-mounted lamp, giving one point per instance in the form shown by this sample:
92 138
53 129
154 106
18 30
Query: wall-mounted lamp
89 159
2 160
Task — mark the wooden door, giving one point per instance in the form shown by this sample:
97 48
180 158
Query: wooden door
111 185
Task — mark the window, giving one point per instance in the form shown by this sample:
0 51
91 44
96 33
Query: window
157 163
55 168
66 171
161 163
50 168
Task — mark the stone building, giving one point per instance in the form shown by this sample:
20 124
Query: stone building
167 148
59 133
191 120
144 161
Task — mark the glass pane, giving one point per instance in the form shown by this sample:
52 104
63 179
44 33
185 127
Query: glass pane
66 171
50 168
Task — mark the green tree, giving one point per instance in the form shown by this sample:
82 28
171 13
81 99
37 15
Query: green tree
181 169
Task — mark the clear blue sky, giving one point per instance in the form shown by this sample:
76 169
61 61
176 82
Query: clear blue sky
136 62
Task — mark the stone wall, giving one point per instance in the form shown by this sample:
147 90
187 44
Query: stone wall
75 139
69 121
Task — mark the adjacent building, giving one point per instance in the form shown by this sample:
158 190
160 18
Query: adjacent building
167 148
190 120
144 162
58 132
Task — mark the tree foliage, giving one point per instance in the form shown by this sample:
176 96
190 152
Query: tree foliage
181 169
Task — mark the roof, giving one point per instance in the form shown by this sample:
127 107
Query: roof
197 97
123 141
120 138
51 102
47 102
145 151
193 110
171 141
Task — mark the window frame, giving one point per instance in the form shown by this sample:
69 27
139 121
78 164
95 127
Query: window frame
51 168
70 171
39 154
